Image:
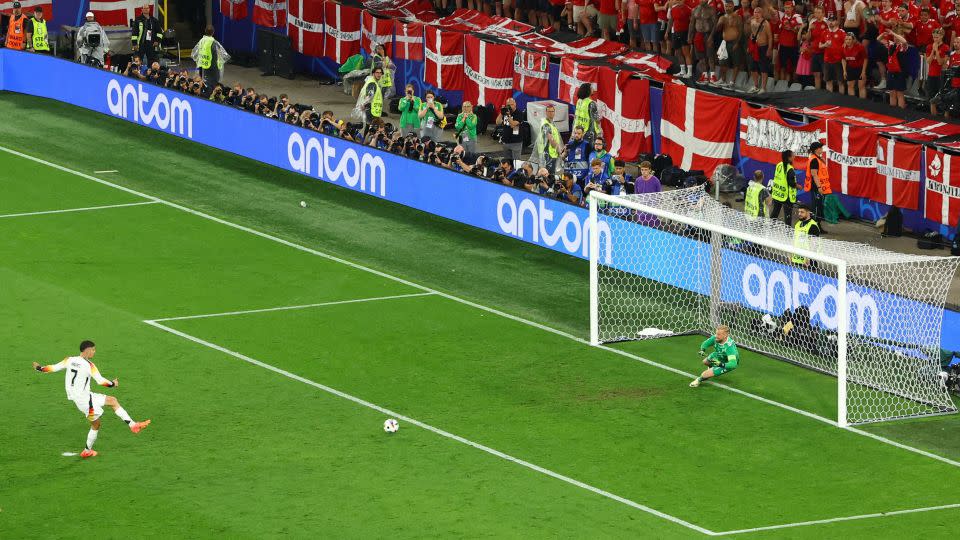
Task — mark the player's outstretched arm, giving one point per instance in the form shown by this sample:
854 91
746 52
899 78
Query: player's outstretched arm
101 380
52 367
708 343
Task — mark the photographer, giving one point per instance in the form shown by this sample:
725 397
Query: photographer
217 96
466 126
567 190
508 124
543 182
249 100
134 69
577 154
431 117
409 112
598 176
235 95
505 174
92 42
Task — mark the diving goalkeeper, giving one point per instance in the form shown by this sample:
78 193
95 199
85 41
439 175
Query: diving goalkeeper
724 358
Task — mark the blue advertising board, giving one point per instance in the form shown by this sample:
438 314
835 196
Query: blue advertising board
465 199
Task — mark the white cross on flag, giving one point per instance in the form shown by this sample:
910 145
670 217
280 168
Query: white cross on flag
234 10
853 158
469 20
443 67
489 71
624 106
898 173
116 12
698 126
270 13
409 41
342 39
305 27
376 30
26 6
572 75
651 65
531 73
942 202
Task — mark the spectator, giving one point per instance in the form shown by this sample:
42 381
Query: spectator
466 126
607 18
757 200
620 169
509 121
577 154
146 35
679 35
784 190
409 106
936 56
587 115
431 117
924 29
730 26
832 42
549 145
703 20
854 66
647 182
584 14
661 7
568 190
210 57
896 47
632 21
37 37
646 23
818 29
804 71
92 42
853 17
600 153
787 42
759 47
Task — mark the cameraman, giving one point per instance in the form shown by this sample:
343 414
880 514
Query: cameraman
409 112
92 42
567 189
509 121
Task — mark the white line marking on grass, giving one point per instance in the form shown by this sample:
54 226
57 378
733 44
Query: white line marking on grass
435 430
104 172
839 519
68 210
287 308
470 303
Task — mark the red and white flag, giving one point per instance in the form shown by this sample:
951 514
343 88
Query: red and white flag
377 30
443 67
572 75
624 106
469 20
305 26
699 126
531 73
587 48
764 135
651 65
488 68
116 12
852 158
409 41
270 13
342 38
898 172
416 10
26 7
942 199
234 10
923 130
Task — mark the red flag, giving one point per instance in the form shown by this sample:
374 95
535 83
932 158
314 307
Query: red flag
651 65
305 26
116 12
377 30
898 173
469 21
942 202
624 105
444 58
409 41
417 10
488 68
699 126
342 39
572 75
270 13
591 48
923 130
853 158
764 134
233 9
26 6
855 117
531 73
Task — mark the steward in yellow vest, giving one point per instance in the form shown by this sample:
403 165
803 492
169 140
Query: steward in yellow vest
784 189
805 229
37 33
755 202
372 93
586 114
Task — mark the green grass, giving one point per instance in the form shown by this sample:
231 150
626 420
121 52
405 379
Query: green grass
241 451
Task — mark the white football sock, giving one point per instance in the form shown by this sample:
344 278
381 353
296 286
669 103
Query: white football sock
92 438
123 415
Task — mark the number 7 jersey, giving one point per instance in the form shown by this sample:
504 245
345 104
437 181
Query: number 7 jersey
78 372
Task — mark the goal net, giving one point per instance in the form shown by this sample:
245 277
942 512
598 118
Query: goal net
679 262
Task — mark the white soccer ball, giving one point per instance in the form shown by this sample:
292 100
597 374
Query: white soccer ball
303 204
391 425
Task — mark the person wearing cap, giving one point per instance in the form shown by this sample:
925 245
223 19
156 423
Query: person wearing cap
784 189
37 33
803 230
17 29
831 42
92 41
146 36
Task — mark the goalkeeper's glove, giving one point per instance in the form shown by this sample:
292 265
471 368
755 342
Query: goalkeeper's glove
715 363
702 352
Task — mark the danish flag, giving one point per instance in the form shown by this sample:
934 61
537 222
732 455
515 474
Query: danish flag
489 71
116 12
853 158
409 41
469 20
625 122
443 67
898 172
942 202
376 30
531 73
572 75
699 126
6 7
305 27
234 9
342 38
270 13
651 65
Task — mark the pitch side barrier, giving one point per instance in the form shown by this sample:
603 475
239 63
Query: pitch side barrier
767 285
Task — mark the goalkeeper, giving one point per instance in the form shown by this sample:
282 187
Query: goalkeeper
724 358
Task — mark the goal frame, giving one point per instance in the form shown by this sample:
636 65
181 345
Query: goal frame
843 315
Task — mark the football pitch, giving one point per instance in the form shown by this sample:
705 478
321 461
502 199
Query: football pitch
268 343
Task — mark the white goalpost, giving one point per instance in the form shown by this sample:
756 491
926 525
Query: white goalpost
679 262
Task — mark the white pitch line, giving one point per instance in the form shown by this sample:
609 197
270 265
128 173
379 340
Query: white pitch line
839 519
85 209
104 172
438 431
287 308
482 307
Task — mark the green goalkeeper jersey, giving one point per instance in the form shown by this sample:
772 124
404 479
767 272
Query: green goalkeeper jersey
724 353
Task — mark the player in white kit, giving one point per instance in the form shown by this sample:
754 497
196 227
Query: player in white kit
77 382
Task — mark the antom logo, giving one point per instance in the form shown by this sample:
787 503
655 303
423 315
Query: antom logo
135 103
365 173
778 292
532 221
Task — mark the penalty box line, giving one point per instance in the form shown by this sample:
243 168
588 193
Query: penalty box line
476 305
84 209
839 519
428 427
